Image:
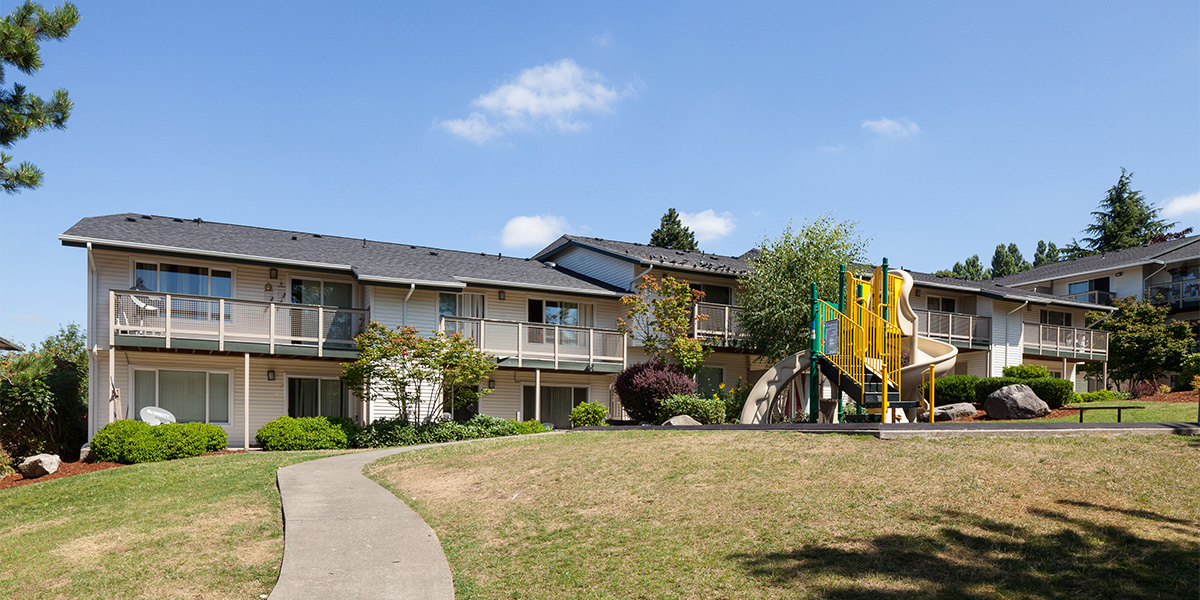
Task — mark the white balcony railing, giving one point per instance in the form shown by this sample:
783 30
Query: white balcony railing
221 320
1065 339
721 322
535 341
959 327
1179 294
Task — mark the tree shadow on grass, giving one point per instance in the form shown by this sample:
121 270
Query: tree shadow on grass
971 556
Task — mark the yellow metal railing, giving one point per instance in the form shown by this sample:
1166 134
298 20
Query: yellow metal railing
849 353
927 379
866 340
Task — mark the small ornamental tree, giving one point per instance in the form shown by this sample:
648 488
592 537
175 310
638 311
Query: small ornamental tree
43 406
660 318
403 368
1142 343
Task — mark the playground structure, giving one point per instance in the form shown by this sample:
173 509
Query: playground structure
864 347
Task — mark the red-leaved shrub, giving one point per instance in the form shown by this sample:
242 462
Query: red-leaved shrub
641 386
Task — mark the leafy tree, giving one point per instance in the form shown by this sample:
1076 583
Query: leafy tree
775 293
1124 220
672 234
403 368
22 113
43 391
660 318
971 269
1007 260
1046 253
1143 344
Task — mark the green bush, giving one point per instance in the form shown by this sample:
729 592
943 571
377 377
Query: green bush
1053 391
1098 396
306 433
588 414
734 399
110 443
708 411
1188 373
5 462
388 433
531 426
489 426
130 441
953 389
1027 371
215 438
985 386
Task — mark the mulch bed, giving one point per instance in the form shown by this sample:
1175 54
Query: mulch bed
1173 397
67 469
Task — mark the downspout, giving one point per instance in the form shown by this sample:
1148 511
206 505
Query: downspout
91 337
637 277
1148 277
404 318
1006 318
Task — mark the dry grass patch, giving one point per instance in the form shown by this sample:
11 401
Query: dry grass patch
782 515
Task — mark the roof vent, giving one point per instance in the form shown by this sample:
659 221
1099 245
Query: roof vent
198 220
293 238
177 220
433 253
551 264
316 235
147 217
131 219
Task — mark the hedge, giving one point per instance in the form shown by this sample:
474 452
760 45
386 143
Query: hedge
398 431
953 389
1026 371
305 433
129 441
588 414
708 411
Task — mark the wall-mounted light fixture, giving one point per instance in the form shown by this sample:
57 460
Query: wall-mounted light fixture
274 273
491 384
501 294
1119 273
270 375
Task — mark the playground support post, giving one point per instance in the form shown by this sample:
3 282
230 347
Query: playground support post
842 288
814 350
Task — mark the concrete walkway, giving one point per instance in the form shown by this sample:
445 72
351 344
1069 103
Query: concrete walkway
346 537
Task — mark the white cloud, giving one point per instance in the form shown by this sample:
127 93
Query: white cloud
552 96
603 40
535 231
892 128
708 225
1182 205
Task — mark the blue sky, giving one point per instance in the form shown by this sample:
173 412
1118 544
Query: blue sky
942 128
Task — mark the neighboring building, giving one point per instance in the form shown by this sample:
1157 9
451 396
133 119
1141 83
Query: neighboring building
6 345
1166 272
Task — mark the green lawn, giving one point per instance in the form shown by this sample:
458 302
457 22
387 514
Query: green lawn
1155 412
783 515
206 527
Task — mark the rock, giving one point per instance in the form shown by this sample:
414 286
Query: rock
85 452
950 412
38 465
681 421
1015 402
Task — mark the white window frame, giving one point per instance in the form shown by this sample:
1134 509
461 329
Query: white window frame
291 277
929 297
545 299
350 397
157 395
437 305
1070 317
233 276
699 286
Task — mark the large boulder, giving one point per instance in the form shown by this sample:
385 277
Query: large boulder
682 421
39 465
950 412
1015 402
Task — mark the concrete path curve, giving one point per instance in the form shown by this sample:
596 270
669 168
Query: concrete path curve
347 537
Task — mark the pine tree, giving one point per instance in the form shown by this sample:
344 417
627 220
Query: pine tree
1003 262
1022 264
1125 220
672 234
1046 253
971 269
22 113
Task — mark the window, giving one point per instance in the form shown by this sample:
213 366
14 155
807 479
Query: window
313 397
324 293
940 304
1054 317
1099 284
192 396
716 294
557 402
559 312
460 305
182 279
339 327
709 380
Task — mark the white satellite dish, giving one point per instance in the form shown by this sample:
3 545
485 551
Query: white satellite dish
156 416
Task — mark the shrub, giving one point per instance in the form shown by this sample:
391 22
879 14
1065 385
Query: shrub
110 443
306 433
706 410
1098 396
953 389
734 400
1142 389
386 433
5 462
984 387
643 385
215 438
1188 371
1053 391
489 426
588 414
531 426
1027 371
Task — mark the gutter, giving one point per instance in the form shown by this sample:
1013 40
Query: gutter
637 277
76 240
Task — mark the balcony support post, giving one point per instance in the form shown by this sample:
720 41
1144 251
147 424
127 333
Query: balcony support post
246 401
320 331
537 395
271 334
167 322
591 347
556 346
221 325
112 319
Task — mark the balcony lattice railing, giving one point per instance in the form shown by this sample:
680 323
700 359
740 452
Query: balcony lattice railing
956 327
721 322
1065 339
1179 294
221 320
535 341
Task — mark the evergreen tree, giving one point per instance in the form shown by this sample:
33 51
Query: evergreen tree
1046 253
1022 264
22 113
1003 262
1125 220
672 234
971 269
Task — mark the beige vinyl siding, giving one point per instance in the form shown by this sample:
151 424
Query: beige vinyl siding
507 399
268 399
971 363
608 269
1000 357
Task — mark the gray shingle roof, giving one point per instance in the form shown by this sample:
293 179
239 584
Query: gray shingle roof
1172 250
703 262
998 291
368 260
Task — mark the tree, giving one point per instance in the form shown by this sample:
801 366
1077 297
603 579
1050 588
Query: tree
1124 220
43 391
672 234
775 293
22 113
1046 253
404 369
971 269
660 317
1142 343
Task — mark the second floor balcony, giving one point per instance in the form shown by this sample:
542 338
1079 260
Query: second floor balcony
717 323
1055 340
971 330
1179 295
181 321
539 345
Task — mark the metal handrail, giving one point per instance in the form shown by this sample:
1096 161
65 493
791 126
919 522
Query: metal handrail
722 321
978 328
1065 339
1174 293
